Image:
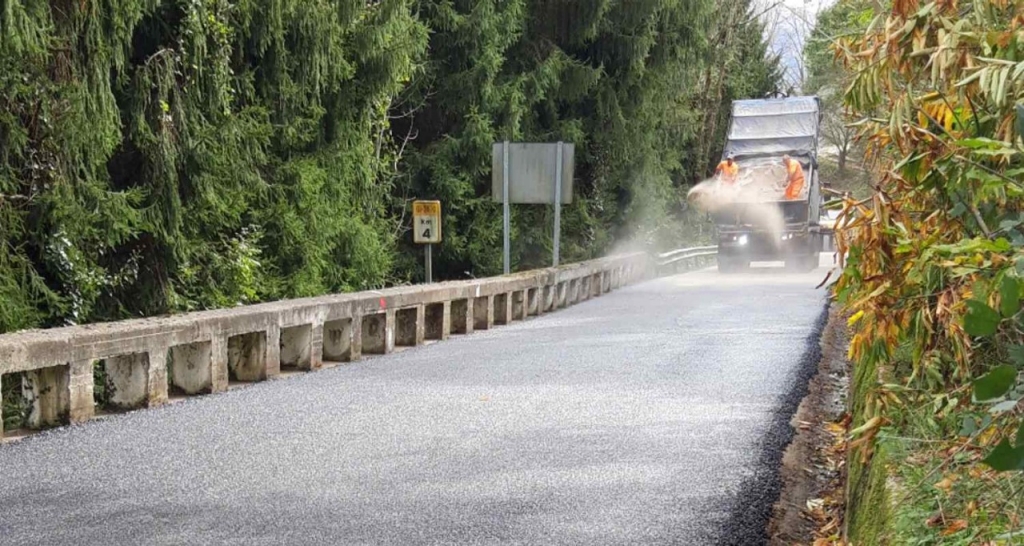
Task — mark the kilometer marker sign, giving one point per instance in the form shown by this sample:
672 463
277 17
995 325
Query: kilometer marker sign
426 222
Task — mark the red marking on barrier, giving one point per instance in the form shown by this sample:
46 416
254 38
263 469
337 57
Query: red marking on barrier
383 303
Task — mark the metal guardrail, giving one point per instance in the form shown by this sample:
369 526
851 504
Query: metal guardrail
685 259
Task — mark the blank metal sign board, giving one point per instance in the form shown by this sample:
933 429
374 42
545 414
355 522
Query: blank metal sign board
531 172
426 222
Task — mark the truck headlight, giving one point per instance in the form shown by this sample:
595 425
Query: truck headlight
742 239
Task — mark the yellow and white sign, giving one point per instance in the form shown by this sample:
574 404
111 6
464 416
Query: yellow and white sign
426 222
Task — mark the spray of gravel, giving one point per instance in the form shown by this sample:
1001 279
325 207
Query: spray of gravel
756 192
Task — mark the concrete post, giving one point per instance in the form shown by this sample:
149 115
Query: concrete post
461 316
296 347
127 380
410 326
219 364
519 305
437 318
561 295
156 390
76 391
316 345
378 333
272 352
503 308
356 347
533 301
247 356
338 339
509 315
49 391
191 367
483 312
548 298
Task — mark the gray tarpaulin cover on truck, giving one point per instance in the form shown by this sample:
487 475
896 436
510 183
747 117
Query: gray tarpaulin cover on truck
774 127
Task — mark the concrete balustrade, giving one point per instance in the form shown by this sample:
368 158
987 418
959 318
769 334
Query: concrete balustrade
143 361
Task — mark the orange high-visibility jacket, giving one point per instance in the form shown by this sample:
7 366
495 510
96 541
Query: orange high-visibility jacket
727 171
795 176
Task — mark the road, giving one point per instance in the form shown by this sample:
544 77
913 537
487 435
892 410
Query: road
652 415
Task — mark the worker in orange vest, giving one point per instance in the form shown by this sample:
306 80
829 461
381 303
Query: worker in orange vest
794 177
728 170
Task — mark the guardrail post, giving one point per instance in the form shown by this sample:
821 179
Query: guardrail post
437 318
378 333
156 390
272 357
533 301
49 403
130 379
248 354
502 304
462 316
409 326
60 394
316 345
191 367
520 305
341 339
483 312
219 363
296 347
81 405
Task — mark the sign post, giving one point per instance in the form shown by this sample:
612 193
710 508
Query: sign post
532 173
506 222
557 236
426 230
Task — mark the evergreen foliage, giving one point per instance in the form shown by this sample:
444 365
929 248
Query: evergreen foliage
159 156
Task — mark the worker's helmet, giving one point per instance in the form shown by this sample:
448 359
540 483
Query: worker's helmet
730 156
785 158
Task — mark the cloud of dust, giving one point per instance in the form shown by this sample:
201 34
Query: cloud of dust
756 193
759 187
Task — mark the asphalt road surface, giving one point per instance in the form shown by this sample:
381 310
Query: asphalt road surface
652 415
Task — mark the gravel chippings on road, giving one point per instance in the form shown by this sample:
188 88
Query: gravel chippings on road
651 415
753 509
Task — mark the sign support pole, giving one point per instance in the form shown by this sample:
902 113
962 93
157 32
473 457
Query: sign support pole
429 263
558 205
504 200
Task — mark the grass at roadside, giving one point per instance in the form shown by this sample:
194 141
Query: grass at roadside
942 494
919 486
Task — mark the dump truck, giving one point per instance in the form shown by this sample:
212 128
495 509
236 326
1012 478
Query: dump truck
756 222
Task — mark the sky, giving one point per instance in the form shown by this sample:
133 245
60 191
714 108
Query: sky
789 22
